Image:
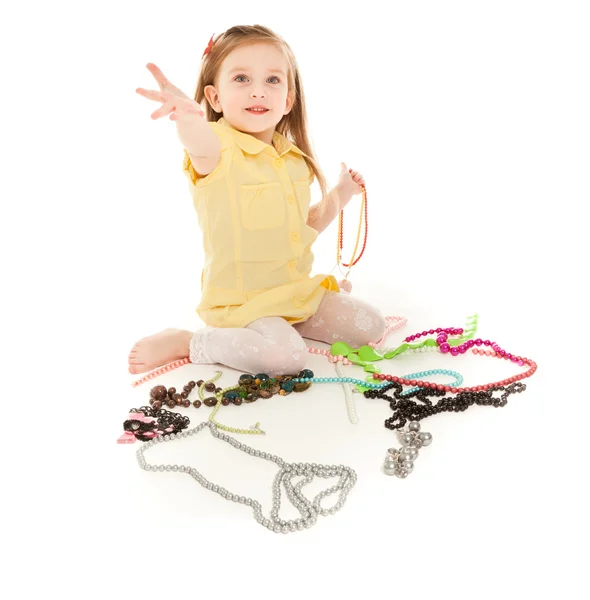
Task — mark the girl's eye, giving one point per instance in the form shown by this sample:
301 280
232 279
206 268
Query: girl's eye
272 77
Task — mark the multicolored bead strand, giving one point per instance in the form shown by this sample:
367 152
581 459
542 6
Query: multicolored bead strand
287 386
161 370
466 333
206 382
442 341
458 378
438 330
331 358
374 385
254 429
447 388
353 261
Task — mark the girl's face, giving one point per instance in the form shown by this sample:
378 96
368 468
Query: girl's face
252 75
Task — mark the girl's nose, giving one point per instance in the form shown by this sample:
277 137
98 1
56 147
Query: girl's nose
257 94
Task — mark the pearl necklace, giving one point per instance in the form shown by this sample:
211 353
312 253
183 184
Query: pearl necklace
309 509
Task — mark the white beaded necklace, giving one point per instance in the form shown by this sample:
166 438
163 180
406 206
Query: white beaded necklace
309 509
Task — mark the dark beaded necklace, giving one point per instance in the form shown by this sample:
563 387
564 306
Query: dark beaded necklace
405 409
159 395
251 387
166 422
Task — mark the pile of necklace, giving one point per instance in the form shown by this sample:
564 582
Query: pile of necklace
309 509
450 340
249 389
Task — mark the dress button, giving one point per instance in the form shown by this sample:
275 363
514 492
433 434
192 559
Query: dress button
278 163
293 264
290 198
295 236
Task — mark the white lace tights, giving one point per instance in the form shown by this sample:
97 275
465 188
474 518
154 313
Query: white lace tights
273 346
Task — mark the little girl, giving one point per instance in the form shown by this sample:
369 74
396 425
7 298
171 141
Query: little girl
249 165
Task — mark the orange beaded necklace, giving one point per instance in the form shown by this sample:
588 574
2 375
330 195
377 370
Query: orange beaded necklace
362 219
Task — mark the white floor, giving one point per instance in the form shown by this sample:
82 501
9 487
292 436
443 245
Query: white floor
495 506
482 514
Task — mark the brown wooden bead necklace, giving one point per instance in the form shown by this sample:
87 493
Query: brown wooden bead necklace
251 388
159 395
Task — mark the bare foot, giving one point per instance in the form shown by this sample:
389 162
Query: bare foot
159 349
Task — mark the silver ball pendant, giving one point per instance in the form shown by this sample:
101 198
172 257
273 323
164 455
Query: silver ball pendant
414 426
389 464
408 466
426 438
407 438
405 455
402 474
388 469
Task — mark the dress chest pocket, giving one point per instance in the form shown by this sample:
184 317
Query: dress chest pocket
303 193
262 206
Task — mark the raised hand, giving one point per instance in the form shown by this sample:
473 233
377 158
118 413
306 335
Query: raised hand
164 83
172 105
192 127
350 181
174 102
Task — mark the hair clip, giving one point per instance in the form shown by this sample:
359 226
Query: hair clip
208 48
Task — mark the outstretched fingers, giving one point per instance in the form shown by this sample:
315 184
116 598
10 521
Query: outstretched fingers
166 99
158 75
153 95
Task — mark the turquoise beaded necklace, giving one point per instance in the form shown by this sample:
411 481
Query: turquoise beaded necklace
369 385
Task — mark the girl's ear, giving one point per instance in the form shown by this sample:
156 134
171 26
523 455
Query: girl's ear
290 102
213 98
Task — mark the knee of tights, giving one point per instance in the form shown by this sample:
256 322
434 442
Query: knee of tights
284 363
379 329
374 334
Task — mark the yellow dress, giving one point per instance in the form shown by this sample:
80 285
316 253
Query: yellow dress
252 210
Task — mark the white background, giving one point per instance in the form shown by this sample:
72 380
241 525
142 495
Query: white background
470 124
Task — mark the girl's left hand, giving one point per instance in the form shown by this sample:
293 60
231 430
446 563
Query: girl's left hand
350 181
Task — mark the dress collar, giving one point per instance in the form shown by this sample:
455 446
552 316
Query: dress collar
248 143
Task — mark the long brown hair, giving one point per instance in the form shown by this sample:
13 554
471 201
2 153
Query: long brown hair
294 124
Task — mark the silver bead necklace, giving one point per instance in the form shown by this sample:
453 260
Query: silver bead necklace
400 461
309 510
